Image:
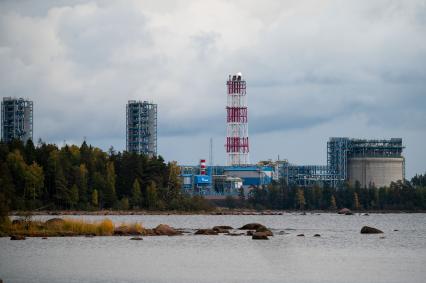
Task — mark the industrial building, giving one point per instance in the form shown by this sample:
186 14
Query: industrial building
221 181
141 127
369 162
16 119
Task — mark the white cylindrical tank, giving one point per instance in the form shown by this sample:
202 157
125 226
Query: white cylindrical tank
380 171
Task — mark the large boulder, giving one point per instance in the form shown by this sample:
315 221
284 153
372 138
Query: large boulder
124 230
165 230
370 230
260 236
206 232
252 226
345 210
17 237
223 227
265 230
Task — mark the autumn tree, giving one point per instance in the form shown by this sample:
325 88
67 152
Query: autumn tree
136 200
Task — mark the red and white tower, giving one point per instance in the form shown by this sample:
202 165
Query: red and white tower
237 142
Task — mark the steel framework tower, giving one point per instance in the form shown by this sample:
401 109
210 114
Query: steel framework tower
141 127
237 142
16 119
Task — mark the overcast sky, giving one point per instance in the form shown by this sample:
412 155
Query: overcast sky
314 69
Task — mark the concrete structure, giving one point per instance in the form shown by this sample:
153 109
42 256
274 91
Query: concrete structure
375 171
16 119
141 127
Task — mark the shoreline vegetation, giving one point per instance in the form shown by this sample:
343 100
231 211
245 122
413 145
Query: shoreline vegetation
23 227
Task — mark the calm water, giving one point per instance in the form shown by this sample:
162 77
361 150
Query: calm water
341 254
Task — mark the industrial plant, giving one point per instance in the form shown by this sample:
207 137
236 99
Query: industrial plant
141 127
16 119
363 162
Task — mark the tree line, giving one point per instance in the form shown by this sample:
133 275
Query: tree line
46 177
87 178
400 195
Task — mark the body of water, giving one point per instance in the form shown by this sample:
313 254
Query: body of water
341 254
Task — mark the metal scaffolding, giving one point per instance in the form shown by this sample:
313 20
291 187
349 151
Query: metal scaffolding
141 127
16 119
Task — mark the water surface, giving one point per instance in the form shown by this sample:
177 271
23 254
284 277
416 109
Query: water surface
341 254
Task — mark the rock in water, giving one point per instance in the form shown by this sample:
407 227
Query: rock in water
265 230
223 227
17 237
370 230
252 226
136 239
206 232
317 235
344 211
301 235
166 230
260 236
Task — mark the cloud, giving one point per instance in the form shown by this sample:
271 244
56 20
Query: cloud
310 66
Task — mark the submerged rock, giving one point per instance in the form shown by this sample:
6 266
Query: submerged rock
234 234
206 232
370 230
17 237
260 236
165 230
252 226
136 238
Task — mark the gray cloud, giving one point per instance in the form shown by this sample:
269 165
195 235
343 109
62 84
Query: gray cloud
314 69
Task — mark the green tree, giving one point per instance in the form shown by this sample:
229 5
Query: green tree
136 194
356 204
34 180
174 183
124 203
333 202
95 198
74 196
151 195
82 181
109 194
300 199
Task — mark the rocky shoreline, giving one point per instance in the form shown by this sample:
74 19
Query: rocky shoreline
215 212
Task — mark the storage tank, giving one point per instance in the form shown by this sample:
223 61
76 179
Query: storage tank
380 171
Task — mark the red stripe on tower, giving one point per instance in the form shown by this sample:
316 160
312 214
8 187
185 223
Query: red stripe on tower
237 141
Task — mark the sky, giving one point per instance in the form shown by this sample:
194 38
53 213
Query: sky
314 70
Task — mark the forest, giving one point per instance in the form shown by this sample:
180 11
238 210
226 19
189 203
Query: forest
46 177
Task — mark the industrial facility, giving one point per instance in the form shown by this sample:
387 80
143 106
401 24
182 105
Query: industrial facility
369 162
16 119
357 161
141 127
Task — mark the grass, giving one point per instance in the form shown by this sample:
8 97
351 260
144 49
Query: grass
72 227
